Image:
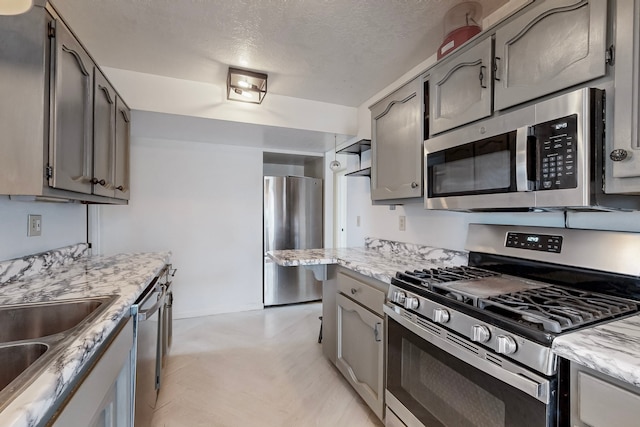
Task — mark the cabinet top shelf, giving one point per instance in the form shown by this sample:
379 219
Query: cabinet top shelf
357 147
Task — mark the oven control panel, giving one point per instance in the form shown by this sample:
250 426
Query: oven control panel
534 242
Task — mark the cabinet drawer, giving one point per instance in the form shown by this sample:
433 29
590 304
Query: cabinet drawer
359 291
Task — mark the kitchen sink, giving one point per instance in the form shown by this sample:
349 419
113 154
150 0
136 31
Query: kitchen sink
30 321
15 359
32 335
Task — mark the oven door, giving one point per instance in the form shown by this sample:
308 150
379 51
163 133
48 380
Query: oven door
434 380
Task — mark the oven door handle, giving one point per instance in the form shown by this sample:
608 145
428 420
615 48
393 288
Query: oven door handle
531 384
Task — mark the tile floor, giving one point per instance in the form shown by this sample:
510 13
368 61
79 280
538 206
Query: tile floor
256 369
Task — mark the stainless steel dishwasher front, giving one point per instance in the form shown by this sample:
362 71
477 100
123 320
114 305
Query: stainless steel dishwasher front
147 314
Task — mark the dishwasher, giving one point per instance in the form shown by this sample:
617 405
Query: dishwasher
148 314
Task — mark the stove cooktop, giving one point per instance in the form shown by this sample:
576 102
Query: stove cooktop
529 304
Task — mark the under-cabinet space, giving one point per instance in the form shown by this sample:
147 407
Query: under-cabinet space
397 137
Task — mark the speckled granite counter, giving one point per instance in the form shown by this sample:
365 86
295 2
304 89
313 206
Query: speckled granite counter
65 274
380 259
612 348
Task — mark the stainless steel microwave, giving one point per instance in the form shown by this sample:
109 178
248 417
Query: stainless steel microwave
548 155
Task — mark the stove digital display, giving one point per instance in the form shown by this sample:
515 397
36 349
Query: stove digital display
534 242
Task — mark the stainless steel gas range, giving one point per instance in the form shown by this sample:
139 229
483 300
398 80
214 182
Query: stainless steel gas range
470 346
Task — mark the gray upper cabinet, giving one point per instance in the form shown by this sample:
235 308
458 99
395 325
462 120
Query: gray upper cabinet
460 88
104 137
396 159
121 173
552 46
622 167
61 141
70 154
111 130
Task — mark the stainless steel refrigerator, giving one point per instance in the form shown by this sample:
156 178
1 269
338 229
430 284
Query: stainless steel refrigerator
292 220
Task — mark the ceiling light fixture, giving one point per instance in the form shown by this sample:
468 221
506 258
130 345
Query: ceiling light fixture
246 86
15 7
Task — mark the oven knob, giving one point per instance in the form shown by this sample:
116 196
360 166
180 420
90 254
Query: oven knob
480 333
440 315
399 297
411 303
506 344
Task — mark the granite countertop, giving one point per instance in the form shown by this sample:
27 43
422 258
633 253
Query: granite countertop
66 274
379 258
612 348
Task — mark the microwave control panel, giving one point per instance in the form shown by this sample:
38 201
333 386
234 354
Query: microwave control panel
556 146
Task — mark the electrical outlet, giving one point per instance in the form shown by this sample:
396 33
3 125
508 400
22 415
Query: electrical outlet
403 222
34 225
358 221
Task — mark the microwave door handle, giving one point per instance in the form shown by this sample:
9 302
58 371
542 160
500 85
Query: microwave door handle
522 153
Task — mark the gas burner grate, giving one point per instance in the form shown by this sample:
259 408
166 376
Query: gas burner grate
557 309
426 277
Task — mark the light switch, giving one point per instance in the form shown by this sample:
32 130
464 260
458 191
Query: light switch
403 223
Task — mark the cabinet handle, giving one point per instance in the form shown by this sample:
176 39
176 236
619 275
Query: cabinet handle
120 187
414 184
353 291
495 69
619 155
95 181
106 94
376 331
481 76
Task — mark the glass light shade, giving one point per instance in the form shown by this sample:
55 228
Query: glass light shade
246 86
15 7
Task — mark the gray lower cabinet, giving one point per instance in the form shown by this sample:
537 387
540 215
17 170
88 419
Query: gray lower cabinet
460 88
104 397
396 144
601 401
553 45
360 339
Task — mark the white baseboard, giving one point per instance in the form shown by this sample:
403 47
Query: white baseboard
216 310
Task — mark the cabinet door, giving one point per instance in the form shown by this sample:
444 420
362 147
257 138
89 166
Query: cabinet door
360 351
70 153
123 132
104 138
554 45
460 88
396 164
622 155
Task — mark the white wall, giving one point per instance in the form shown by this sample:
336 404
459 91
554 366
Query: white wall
63 224
204 203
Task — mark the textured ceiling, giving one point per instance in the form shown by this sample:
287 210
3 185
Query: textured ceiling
336 51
